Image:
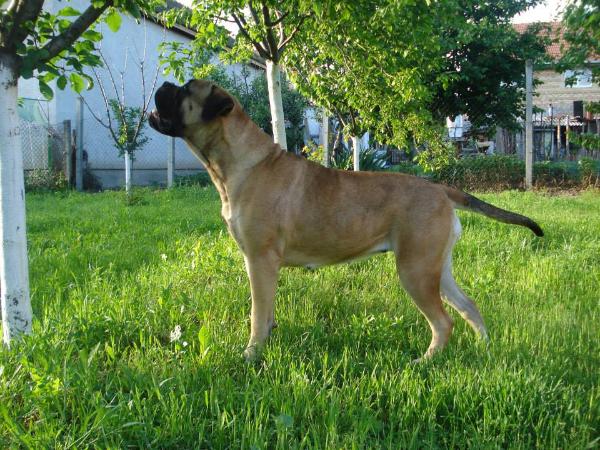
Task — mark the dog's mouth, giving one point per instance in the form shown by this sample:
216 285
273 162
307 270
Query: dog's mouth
166 117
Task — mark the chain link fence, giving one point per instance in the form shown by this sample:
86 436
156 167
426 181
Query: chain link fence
102 162
43 146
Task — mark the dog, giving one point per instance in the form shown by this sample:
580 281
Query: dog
283 210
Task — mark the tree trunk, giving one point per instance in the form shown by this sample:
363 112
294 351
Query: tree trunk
325 137
356 149
127 172
276 103
14 271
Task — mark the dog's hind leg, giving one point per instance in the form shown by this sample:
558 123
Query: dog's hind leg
420 273
262 271
453 294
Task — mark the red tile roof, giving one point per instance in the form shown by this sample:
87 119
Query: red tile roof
549 29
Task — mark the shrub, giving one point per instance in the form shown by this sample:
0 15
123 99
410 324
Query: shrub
201 179
554 174
407 167
42 180
482 172
590 172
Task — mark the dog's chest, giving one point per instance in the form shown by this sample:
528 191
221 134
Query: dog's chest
232 219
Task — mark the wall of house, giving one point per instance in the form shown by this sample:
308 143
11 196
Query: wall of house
553 91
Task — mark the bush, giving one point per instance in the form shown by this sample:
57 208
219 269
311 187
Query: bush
43 180
200 179
407 167
556 174
499 172
590 172
482 172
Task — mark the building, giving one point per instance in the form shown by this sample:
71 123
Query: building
559 104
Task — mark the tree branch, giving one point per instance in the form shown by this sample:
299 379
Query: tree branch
254 14
257 21
286 41
22 11
75 30
261 51
270 35
280 18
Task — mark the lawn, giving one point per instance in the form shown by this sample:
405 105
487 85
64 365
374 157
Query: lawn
142 314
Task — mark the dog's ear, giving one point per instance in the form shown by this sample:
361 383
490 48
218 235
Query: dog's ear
218 103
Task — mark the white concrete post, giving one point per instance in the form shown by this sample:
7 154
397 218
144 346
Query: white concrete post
171 163
529 124
276 103
356 152
127 172
325 138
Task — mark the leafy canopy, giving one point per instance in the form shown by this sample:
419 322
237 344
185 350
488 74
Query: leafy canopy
58 47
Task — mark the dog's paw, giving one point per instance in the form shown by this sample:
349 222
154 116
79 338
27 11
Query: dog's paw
251 354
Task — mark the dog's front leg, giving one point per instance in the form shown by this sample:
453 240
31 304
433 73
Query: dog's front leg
262 271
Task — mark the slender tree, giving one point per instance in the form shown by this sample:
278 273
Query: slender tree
50 47
124 122
266 27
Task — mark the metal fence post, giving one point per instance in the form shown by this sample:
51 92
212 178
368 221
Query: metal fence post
67 150
79 151
171 163
529 124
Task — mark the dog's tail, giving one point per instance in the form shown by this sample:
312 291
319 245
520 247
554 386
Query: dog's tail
465 201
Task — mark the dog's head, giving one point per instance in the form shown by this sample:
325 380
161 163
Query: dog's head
182 109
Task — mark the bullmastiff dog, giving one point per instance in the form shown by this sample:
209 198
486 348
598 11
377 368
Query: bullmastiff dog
283 210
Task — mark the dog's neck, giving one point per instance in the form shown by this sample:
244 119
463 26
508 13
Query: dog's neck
232 148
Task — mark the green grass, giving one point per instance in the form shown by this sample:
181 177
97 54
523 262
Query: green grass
111 282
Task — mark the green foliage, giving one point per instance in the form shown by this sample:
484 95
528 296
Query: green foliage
42 180
590 141
498 172
111 284
398 68
200 179
582 34
130 135
435 157
60 46
482 73
370 160
407 167
495 172
590 171
555 174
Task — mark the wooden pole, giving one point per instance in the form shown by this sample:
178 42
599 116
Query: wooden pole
529 124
